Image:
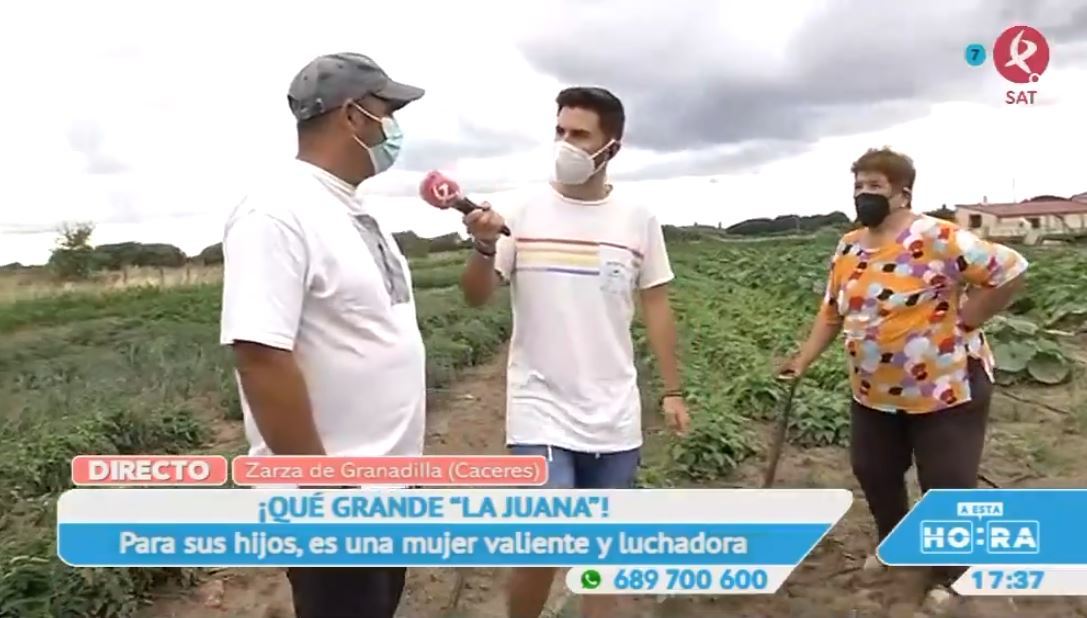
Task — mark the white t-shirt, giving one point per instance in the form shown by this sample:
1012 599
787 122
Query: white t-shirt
574 268
308 269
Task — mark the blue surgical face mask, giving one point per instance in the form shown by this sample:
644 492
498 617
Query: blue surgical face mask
384 154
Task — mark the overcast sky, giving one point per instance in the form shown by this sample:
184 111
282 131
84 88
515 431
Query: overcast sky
151 118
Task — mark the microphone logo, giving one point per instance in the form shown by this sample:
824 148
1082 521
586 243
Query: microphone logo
443 192
1021 54
437 190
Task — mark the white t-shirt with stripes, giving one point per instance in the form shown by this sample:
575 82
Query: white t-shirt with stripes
575 269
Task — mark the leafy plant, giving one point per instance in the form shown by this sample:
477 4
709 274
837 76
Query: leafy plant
1023 351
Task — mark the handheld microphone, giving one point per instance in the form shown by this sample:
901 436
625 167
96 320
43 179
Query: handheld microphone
442 192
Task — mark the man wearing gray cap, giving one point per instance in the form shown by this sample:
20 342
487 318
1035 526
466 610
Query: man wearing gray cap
319 310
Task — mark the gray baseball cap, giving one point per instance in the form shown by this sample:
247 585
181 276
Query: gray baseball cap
329 81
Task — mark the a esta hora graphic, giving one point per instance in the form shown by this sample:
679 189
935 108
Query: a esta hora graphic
989 534
1020 55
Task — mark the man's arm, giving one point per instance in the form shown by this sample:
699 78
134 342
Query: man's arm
264 283
660 324
277 395
492 256
660 328
479 279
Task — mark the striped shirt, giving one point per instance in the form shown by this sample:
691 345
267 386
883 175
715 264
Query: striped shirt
575 268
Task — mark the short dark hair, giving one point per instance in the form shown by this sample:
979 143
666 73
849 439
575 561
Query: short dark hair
896 166
608 107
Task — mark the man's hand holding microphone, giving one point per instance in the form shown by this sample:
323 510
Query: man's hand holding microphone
485 226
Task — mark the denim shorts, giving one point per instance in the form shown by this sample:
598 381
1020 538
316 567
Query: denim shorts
568 469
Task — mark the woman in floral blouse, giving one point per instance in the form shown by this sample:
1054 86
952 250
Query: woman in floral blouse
911 292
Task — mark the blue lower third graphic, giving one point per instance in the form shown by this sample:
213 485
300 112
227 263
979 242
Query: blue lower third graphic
977 527
434 544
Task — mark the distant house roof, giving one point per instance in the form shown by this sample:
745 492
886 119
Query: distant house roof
1031 208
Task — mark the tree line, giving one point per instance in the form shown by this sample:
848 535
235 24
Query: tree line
76 257
792 224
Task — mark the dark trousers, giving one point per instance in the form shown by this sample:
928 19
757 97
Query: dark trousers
346 592
946 446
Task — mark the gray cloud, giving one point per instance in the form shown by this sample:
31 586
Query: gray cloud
1061 21
712 161
87 138
104 163
854 67
123 207
475 142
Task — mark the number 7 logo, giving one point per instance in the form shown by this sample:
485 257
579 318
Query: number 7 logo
975 54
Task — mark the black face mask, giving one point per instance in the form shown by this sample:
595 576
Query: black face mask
872 208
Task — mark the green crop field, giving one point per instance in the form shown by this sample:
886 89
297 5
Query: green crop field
140 371
744 306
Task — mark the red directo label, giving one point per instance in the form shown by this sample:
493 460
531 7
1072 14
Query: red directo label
433 470
170 470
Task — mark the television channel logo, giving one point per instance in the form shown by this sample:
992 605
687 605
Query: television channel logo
1020 55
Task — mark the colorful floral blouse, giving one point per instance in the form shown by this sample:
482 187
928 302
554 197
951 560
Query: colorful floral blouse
899 308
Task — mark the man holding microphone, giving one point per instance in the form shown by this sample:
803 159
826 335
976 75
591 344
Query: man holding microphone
579 258
319 310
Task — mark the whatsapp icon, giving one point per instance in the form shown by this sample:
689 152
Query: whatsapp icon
590 579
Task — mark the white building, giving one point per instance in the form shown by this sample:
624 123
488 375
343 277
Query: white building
1028 221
